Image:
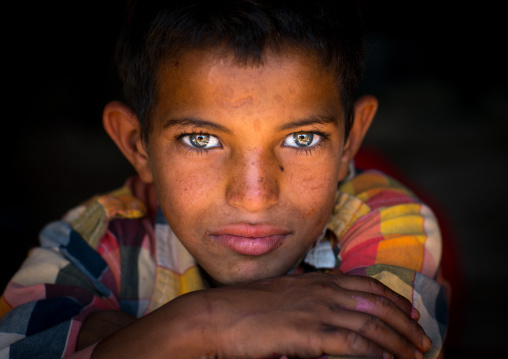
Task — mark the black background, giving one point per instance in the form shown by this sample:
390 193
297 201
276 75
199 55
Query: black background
438 70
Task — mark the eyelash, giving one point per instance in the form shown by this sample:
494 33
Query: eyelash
308 150
187 148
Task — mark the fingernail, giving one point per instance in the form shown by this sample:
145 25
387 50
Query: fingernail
415 313
387 355
427 343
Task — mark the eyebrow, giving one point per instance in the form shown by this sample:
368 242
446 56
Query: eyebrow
311 120
194 122
197 122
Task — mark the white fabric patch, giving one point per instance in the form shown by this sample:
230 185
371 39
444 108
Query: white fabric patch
171 253
7 339
41 266
321 256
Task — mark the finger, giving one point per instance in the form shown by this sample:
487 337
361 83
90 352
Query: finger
372 285
390 313
336 340
379 332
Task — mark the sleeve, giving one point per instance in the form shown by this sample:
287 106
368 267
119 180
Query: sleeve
76 270
385 232
58 286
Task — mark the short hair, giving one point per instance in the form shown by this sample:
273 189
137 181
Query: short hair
155 32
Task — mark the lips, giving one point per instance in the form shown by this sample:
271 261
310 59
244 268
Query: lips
252 240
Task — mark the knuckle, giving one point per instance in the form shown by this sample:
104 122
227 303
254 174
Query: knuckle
371 325
385 304
354 342
375 285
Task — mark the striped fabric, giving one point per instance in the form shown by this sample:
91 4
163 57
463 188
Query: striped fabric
110 254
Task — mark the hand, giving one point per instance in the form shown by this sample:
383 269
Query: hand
298 316
315 314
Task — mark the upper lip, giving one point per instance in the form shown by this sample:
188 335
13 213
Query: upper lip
249 230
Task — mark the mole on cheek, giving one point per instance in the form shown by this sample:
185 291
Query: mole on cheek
281 168
311 212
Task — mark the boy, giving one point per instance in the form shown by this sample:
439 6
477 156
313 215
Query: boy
241 122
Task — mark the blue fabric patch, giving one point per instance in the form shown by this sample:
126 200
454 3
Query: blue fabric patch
51 312
79 249
442 315
55 234
73 247
129 306
48 344
17 319
87 260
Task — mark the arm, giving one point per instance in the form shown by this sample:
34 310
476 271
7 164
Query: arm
303 316
50 296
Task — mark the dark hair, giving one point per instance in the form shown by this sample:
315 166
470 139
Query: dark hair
157 31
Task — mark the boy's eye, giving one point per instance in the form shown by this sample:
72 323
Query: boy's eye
201 140
302 139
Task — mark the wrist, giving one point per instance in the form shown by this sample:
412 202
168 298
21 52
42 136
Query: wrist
179 329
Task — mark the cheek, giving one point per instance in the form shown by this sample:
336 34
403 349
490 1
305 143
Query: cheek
186 189
313 188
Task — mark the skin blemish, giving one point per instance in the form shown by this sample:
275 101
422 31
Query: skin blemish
281 168
239 102
311 212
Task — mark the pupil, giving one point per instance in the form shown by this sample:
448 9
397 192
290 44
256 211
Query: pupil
303 139
200 140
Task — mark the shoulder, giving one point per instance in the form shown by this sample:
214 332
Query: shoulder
377 220
367 192
376 190
92 218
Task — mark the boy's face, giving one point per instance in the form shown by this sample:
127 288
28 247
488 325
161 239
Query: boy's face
246 159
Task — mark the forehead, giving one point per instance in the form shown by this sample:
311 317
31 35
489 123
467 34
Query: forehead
207 81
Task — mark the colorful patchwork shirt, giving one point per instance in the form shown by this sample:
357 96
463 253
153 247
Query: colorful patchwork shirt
117 252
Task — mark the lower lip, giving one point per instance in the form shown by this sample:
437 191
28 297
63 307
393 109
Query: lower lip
251 246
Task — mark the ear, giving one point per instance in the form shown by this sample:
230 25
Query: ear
122 125
365 110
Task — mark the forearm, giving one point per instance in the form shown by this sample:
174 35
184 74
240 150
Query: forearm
100 325
168 331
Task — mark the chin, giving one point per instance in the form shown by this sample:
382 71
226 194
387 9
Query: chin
248 274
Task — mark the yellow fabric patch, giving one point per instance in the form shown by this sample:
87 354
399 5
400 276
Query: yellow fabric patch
191 281
166 282
170 285
347 210
366 181
121 203
406 224
392 281
400 210
92 223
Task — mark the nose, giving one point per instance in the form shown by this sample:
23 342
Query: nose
253 183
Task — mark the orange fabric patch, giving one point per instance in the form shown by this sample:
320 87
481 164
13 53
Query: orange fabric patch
4 307
405 251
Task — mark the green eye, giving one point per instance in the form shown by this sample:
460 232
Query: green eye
201 140
302 139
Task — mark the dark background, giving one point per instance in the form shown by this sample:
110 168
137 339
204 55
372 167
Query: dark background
438 70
